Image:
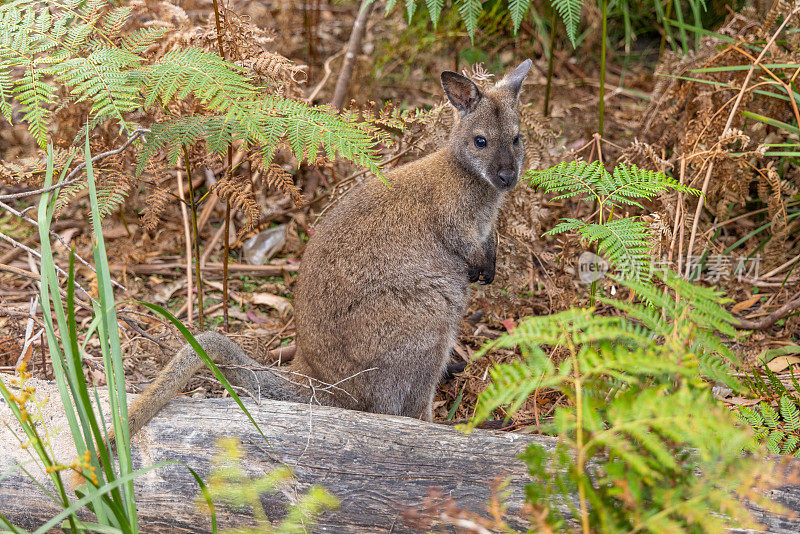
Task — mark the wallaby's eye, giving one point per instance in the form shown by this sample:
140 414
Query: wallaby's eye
516 140
480 142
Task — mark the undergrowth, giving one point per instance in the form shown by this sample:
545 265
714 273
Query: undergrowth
105 480
228 484
776 417
624 241
641 422
161 80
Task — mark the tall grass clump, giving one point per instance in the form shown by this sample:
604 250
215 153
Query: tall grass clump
107 481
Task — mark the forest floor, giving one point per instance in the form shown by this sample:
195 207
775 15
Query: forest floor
536 275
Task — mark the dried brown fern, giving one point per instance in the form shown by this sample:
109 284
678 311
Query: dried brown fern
154 206
239 192
30 170
687 119
278 177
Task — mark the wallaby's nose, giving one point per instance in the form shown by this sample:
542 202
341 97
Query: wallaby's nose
507 177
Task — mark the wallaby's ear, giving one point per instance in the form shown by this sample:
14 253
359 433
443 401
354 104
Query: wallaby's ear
462 92
514 80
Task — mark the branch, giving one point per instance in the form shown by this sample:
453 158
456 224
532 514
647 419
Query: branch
57 236
29 250
353 47
37 278
770 319
71 176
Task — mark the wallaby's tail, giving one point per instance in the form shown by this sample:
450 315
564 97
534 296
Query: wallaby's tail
239 368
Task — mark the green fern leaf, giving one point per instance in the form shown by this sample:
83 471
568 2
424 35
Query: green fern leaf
470 10
518 10
774 441
769 414
623 242
435 10
101 78
790 413
35 95
411 7
569 179
629 181
390 5
6 89
570 12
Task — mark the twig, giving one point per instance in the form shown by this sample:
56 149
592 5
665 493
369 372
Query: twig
29 338
281 331
39 256
210 246
71 176
33 276
57 236
267 270
779 268
226 245
328 72
678 215
707 179
137 327
226 226
353 48
188 236
770 319
196 235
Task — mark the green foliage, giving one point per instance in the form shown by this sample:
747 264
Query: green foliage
518 9
79 46
778 430
570 12
471 10
229 484
109 486
435 10
625 242
592 182
641 420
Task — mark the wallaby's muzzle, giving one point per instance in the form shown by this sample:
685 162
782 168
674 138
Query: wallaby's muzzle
506 179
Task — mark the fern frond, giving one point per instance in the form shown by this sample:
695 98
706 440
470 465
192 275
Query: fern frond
411 7
518 9
569 179
102 78
470 10
219 84
570 12
629 181
790 413
34 94
624 243
6 87
435 10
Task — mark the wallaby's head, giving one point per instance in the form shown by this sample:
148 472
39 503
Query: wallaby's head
486 140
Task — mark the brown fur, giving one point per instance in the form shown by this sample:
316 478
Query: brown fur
385 278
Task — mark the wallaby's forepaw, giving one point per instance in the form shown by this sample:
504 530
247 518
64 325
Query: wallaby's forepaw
487 275
474 274
452 370
483 274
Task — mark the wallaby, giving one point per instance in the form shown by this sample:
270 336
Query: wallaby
384 280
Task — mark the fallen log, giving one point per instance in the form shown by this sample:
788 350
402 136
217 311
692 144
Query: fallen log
376 465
